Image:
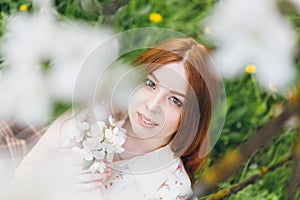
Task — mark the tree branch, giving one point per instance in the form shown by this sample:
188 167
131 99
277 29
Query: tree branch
295 175
239 186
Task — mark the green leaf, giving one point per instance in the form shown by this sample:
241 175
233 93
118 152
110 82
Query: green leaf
87 164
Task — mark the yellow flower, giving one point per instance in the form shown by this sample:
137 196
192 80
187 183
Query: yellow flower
211 176
250 69
23 7
231 160
263 170
207 30
155 17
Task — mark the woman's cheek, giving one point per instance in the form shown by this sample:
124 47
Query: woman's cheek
136 97
143 96
177 115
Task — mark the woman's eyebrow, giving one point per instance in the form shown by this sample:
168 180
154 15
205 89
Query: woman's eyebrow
177 93
172 91
154 77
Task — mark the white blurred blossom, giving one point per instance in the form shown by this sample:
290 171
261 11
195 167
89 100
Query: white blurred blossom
76 42
253 32
43 4
118 83
27 89
23 93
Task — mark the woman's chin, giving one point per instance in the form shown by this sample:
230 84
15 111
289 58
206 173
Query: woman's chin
143 133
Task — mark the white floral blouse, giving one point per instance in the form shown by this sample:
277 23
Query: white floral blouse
157 175
154 176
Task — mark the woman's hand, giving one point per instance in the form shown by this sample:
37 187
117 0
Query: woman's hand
83 180
59 177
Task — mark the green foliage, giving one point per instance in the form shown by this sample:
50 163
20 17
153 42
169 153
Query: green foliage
59 109
187 19
272 184
70 9
248 108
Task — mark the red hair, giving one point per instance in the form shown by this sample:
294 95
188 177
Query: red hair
191 137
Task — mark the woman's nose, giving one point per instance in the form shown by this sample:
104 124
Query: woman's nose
154 103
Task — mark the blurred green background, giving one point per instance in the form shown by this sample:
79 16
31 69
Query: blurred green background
248 106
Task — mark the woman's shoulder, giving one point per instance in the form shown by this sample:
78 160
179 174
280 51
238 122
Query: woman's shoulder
59 131
178 175
177 185
170 182
181 173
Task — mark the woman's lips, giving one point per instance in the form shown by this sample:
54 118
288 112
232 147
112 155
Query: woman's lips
145 121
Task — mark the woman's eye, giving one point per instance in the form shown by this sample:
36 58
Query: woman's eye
176 101
150 83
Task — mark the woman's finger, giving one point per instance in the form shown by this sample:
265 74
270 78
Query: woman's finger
83 187
92 177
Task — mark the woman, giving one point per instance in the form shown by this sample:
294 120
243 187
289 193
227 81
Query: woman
167 125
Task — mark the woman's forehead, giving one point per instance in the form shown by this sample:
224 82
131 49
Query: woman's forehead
173 76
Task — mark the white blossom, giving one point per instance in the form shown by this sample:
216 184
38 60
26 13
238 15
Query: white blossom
101 141
84 126
22 94
108 134
28 40
92 143
43 4
117 83
253 32
100 154
111 121
77 42
31 40
119 141
97 130
98 167
89 157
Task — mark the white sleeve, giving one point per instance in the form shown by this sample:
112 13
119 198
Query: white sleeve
33 175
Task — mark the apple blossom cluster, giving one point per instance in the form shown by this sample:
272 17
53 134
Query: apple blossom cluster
98 142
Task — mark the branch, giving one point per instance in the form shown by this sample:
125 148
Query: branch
295 175
239 186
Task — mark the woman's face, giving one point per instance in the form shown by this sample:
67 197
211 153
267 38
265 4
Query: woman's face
156 106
